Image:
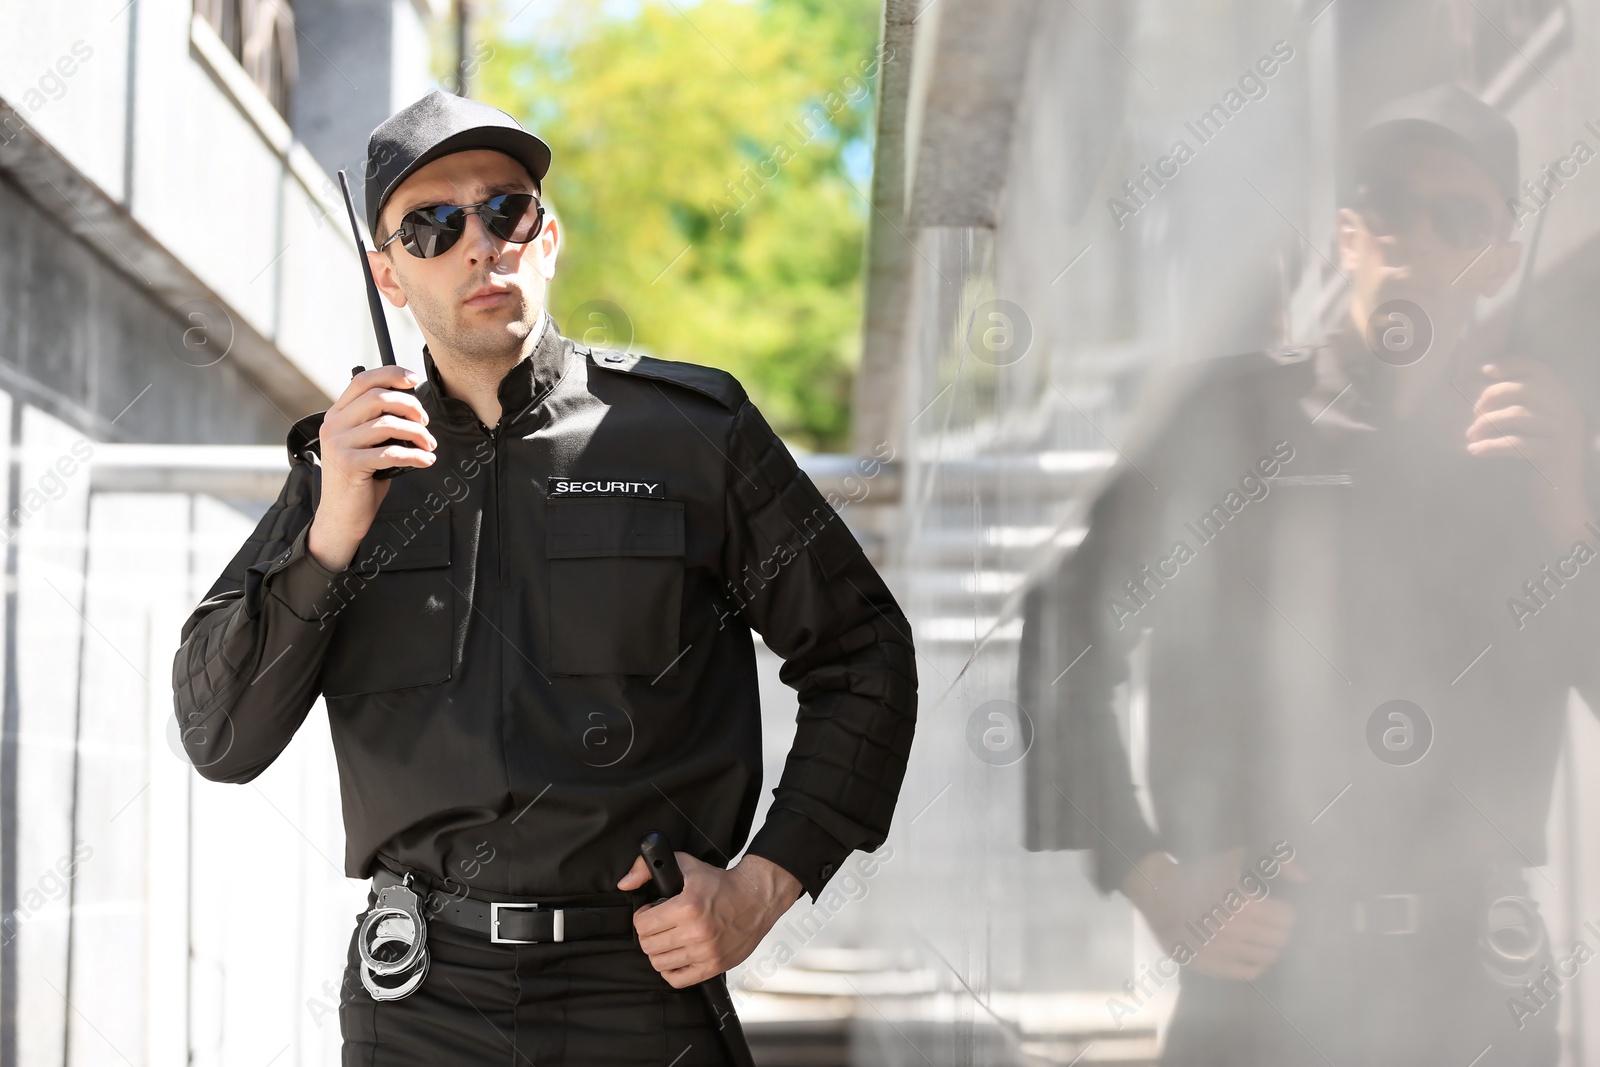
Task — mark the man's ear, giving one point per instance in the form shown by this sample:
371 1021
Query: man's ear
383 274
1497 267
548 244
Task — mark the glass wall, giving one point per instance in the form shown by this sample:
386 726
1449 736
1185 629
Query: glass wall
1240 360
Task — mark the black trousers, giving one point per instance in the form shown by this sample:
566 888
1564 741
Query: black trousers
558 1004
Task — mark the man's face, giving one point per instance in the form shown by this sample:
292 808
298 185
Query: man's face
1433 230
481 298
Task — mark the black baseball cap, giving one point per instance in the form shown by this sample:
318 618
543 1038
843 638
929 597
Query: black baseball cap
437 125
1444 114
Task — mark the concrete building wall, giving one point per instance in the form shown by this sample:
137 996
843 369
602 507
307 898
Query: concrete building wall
82 339
175 267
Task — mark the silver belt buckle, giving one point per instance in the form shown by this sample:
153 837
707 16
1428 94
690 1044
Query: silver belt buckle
1359 915
558 922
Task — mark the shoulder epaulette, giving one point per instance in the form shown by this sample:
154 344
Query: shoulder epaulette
719 385
1241 381
1258 360
1289 365
304 436
1288 355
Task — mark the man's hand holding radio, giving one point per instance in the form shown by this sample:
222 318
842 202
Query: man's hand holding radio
372 410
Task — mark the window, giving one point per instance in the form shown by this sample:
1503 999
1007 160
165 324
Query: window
1490 35
261 36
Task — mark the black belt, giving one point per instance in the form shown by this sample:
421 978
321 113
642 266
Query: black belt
1388 913
516 922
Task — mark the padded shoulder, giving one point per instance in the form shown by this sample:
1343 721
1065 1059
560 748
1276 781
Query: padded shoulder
1278 363
1248 376
719 385
304 436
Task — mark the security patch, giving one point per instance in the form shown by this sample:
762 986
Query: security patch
606 487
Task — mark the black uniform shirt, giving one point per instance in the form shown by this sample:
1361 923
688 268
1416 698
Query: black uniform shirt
1302 563
542 648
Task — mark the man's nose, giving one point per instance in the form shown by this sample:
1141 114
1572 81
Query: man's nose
1418 248
478 243
1425 250
1395 248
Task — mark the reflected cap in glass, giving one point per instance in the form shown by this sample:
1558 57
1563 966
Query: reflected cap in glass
1444 114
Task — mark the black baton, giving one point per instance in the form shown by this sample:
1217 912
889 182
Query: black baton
380 325
668 876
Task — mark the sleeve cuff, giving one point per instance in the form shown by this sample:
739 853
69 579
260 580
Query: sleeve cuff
303 585
1112 863
800 847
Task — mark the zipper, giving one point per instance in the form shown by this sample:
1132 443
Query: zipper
501 562
499 504
499 510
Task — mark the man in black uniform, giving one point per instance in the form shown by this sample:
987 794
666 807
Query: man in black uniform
535 644
1356 604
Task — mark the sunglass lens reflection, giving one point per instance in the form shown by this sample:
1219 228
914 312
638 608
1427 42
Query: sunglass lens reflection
509 218
429 232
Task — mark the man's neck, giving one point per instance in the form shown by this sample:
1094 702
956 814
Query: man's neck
1399 391
477 381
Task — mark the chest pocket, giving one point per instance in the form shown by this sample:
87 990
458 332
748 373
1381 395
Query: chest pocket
616 584
395 628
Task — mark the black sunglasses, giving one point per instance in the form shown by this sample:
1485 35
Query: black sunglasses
1463 221
432 231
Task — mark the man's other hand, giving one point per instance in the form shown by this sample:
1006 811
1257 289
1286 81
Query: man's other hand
718 919
1175 898
1527 413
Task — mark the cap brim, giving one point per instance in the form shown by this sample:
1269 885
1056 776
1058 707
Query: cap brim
1382 138
520 145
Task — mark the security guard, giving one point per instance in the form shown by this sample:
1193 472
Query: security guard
535 647
1347 579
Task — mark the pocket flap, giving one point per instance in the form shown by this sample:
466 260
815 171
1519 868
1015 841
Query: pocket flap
406 540
614 526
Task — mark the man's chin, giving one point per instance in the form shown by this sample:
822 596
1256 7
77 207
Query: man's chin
480 335
1423 295
1441 305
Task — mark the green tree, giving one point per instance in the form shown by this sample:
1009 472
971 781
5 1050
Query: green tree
699 159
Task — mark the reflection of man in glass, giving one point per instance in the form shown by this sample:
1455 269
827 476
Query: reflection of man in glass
1353 582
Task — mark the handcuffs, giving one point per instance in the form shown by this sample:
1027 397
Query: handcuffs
1513 940
393 943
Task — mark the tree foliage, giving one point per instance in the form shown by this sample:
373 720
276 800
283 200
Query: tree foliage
700 159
